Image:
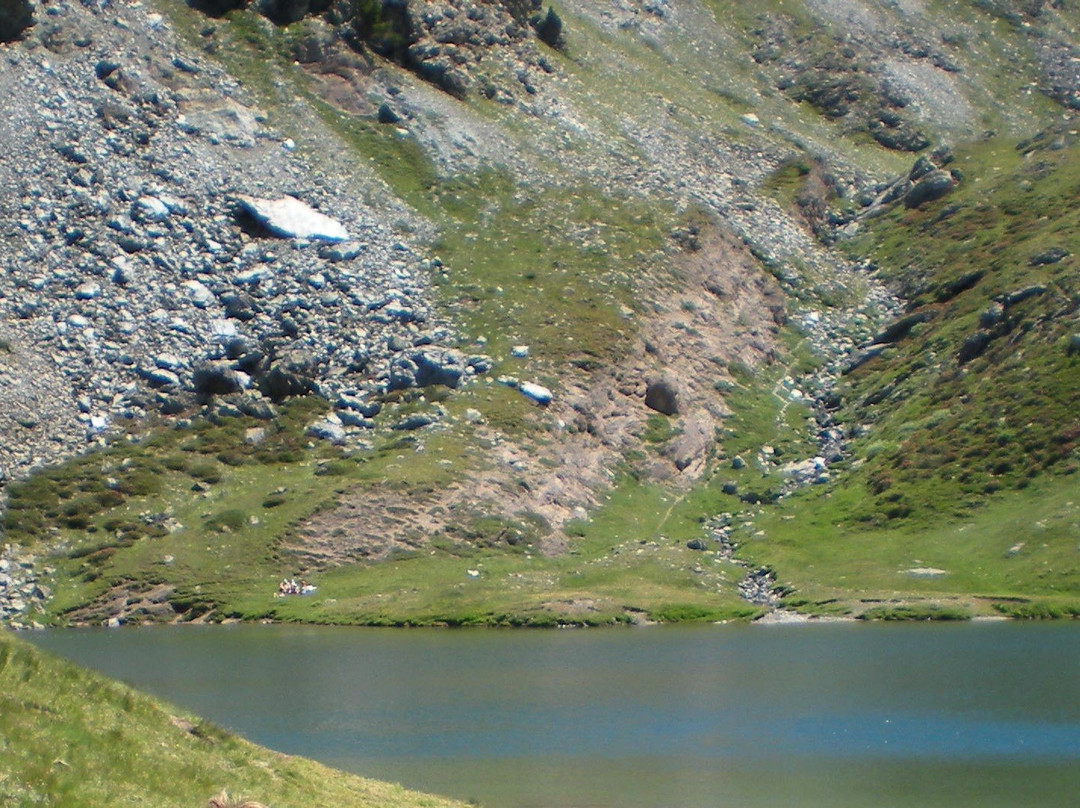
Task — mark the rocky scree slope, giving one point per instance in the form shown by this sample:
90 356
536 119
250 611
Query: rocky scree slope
136 282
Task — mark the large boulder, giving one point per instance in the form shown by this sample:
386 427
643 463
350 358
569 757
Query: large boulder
288 217
896 331
933 186
284 12
661 395
217 8
15 17
218 379
291 375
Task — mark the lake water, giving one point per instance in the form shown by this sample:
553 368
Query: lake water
687 717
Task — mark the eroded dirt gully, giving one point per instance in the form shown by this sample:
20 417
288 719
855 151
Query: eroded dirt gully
716 307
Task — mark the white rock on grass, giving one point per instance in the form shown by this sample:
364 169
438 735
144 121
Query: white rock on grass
538 393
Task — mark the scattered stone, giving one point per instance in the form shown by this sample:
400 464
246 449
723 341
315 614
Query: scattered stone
150 209
813 471
327 430
535 392
199 294
973 347
926 572
1020 295
88 290
343 251
415 421
1049 256
160 378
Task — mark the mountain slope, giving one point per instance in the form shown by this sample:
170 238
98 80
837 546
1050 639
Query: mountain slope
732 245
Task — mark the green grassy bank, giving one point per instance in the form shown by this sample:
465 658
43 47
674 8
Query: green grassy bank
70 738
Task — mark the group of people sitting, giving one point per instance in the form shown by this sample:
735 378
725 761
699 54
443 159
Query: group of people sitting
290 586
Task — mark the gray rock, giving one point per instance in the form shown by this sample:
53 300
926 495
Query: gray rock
199 294
414 421
327 430
536 392
1020 295
292 375
863 357
662 396
973 347
255 407
284 12
899 329
352 418
88 290
993 315
368 409
254 436
480 363
168 361
1050 256
933 186
218 378
239 306
428 367
15 17
345 251
160 378
387 115
150 209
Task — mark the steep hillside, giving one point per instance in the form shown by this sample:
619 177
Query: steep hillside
645 311
71 737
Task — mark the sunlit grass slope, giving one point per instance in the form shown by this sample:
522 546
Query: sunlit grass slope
73 739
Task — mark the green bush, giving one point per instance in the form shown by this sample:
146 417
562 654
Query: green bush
227 521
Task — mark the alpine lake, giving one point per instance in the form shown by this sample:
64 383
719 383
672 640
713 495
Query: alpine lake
830 714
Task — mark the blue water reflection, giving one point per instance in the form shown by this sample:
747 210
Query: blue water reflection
687 716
